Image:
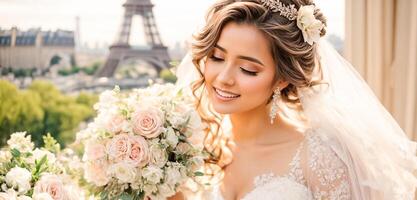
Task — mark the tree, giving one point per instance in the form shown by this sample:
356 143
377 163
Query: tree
42 109
55 60
168 76
19 111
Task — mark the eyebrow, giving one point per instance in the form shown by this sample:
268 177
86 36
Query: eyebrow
240 56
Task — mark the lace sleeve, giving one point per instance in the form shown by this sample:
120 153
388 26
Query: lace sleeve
327 174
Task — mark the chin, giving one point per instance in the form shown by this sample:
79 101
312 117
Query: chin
224 109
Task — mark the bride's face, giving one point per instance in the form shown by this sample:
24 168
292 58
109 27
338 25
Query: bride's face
240 70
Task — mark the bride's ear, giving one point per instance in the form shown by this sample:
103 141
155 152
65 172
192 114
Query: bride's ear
281 84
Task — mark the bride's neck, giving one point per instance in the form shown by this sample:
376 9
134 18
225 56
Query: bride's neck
254 127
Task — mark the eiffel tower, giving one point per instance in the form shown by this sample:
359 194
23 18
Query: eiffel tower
156 54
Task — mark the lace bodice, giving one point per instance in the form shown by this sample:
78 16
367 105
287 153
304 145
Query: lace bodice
316 172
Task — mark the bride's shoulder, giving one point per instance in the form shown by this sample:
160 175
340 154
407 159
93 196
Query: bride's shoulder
325 172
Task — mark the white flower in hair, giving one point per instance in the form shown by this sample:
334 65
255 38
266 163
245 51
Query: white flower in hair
308 24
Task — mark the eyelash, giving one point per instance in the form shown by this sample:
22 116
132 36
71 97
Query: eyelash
215 59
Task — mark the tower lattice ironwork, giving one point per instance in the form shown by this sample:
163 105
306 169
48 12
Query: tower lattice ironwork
156 53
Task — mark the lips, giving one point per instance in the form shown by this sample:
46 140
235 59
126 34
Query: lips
225 94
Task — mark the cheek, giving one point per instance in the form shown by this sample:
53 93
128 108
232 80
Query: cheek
256 89
210 73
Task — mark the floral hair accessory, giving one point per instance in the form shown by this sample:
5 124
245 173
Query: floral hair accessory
306 21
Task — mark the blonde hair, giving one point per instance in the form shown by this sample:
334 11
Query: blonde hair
295 59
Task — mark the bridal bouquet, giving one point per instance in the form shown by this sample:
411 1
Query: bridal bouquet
33 173
143 144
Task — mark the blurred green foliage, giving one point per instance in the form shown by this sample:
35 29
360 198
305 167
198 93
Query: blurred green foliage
88 70
168 76
42 109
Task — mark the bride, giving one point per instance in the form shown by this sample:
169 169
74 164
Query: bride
288 117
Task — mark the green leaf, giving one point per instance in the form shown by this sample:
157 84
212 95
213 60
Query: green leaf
103 195
15 153
38 165
125 196
198 174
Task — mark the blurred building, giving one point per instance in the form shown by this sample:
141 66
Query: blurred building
35 48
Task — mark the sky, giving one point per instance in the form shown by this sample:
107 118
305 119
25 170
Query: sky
100 20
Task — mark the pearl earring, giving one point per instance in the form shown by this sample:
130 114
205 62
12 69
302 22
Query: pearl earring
274 108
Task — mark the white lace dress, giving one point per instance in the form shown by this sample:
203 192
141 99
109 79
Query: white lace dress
321 176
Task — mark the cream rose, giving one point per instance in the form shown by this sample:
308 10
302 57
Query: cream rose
10 194
171 137
166 190
51 184
178 115
23 197
94 151
124 172
96 172
19 178
153 174
158 156
172 175
149 189
309 25
139 151
119 147
42 196
116 124
148 122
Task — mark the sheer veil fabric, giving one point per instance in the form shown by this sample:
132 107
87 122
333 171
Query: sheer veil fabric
350 119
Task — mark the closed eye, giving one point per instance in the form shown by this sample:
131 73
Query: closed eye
215 59
249 72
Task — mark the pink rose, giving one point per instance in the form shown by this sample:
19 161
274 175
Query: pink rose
115 124
95 151
52 185
119 147
139 151
148 122
96 172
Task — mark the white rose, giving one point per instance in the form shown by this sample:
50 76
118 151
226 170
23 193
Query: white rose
23 197
195 131
171 137
149 189
158 156
178 115
10 194
5 156
107 100
172 175
74 192
116 124
19 178
96 172
166 190
20 142
94 150
153 174
42 196
308 24
124 172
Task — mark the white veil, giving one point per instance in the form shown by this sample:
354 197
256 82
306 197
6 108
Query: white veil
352 121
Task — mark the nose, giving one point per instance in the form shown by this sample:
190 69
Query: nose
226 75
